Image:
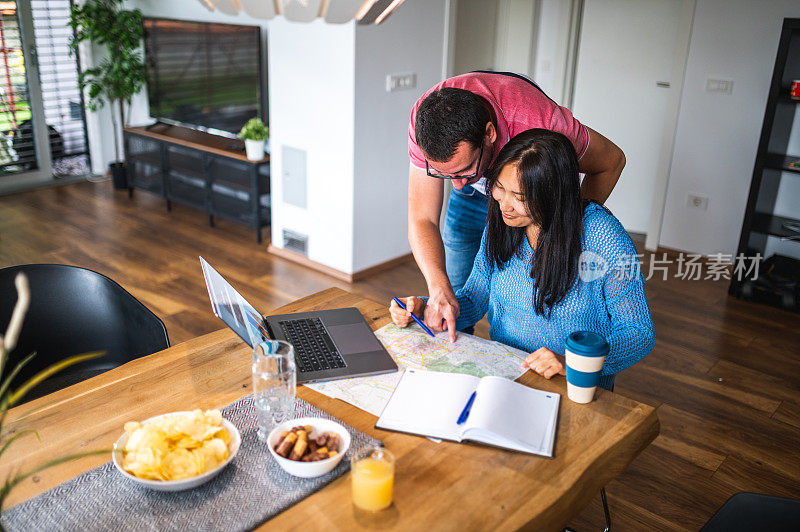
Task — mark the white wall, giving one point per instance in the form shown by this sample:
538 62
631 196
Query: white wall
515 37
381 123
98 123
474 35
717 134
311 102
495 35
552 47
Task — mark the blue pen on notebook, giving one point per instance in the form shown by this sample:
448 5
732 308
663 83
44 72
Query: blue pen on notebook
419 321
465 413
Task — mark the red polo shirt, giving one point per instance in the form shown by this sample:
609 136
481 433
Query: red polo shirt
518 104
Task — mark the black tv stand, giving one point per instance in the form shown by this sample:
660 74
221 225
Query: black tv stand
155 125
201 170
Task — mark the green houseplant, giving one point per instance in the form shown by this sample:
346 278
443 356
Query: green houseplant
120 74
9 397
254 133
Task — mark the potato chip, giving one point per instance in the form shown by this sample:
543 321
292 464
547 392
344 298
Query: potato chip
179 464
176 446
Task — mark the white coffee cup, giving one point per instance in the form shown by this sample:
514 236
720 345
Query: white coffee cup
586 353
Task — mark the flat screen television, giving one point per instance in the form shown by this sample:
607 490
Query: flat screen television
204 75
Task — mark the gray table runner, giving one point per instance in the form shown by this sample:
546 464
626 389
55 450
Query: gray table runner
252 489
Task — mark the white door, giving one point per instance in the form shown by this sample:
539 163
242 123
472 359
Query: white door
623 87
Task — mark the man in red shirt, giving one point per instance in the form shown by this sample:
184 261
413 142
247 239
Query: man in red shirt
456 130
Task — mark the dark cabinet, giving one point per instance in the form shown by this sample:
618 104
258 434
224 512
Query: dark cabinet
201 171
145 163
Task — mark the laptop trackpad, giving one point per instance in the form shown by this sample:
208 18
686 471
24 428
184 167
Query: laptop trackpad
354 338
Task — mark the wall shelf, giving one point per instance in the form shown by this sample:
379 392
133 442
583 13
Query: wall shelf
772 225
760 220
776 161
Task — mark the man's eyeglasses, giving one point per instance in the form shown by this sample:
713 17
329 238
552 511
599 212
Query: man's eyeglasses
434 173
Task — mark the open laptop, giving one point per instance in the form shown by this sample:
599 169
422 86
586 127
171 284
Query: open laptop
328 344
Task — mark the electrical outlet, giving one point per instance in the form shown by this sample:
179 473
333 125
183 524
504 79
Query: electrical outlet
399 82
697 201
724 86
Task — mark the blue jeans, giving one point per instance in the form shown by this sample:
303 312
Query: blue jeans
463 227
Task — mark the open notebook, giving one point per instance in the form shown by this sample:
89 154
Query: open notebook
503 413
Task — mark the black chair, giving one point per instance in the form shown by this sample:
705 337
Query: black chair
753 512
74 310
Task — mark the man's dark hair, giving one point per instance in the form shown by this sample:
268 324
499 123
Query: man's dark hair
445 118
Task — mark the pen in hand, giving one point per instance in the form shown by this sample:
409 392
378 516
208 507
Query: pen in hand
419 321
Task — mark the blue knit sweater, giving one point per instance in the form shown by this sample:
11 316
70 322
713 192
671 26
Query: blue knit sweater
608 298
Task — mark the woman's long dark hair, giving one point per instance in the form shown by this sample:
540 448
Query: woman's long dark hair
548 173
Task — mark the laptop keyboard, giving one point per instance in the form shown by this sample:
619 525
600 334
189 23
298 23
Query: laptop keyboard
313 348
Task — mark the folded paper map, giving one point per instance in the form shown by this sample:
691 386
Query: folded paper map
411 348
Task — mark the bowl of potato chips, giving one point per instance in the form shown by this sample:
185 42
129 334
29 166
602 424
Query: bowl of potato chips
176 451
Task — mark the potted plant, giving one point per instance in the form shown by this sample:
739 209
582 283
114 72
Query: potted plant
255 134
120 74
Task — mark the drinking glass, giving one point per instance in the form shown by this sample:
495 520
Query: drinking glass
274 384
372 478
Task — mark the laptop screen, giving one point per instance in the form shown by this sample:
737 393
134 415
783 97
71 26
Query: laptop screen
229 306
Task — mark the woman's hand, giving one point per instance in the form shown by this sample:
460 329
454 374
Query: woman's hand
545 363
402 318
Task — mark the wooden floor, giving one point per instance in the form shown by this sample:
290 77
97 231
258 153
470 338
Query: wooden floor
724 375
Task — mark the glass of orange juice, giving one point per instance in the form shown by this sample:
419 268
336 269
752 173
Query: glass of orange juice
373 478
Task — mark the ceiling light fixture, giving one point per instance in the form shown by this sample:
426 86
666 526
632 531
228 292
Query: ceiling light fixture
332 11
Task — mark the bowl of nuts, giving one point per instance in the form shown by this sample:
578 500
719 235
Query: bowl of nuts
308 447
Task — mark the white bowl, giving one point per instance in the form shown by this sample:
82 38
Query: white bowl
310 469
186 483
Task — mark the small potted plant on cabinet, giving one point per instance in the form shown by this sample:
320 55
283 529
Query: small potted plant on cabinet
255 134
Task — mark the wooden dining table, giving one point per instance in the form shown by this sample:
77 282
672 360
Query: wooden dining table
439 486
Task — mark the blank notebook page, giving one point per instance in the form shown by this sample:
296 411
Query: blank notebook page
429 402
515 413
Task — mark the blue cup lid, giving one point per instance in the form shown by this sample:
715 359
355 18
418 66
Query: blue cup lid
587 343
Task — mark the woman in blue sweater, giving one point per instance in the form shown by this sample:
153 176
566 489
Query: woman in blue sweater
551 263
